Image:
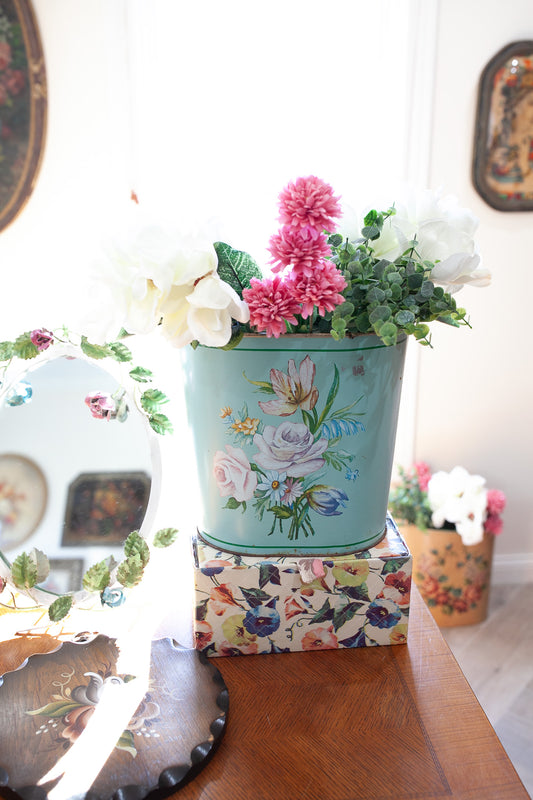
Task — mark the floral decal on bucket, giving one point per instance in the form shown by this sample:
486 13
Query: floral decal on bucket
284 476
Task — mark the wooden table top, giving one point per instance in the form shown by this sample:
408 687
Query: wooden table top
381 722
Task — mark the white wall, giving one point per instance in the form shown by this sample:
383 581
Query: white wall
476 387
473 396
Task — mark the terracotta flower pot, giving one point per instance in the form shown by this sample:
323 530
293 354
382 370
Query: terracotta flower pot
453 579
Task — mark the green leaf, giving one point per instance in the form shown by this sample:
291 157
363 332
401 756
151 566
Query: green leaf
42 564
97 577
201 610
388 333
130 571
96 351
232 503
24 347
165 537
324 614
344 615
236 267
264 386
151 399
24 572
380 313
141 375
393 565
404 318
160 424
332 394
371 232
6 350
127 743
309 420
426 290
415 281
60 607
135 545
268 573
254 597
281 512
236 338
54 710
120 352
335 240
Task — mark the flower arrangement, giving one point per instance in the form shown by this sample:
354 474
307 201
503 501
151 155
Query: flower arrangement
449 500
396 277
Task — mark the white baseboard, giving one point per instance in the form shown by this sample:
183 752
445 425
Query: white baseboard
512 568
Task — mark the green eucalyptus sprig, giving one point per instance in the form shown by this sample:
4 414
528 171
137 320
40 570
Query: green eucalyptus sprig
107 577
388 297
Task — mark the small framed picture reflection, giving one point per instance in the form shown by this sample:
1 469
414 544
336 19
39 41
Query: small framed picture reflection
104 508
65 575
503 141
23 499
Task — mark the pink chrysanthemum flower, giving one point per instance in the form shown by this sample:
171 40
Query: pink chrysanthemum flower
271 304
309 202
495 501
321 289
291 248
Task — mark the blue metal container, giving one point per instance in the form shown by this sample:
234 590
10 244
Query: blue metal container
294 441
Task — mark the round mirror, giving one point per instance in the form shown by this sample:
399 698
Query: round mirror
80 471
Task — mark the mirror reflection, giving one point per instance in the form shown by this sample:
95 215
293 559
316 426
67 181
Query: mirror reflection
69 480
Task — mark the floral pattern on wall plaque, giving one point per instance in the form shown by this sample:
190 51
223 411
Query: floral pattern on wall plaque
246 606
279 468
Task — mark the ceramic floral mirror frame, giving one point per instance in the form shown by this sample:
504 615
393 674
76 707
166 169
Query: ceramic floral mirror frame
107 583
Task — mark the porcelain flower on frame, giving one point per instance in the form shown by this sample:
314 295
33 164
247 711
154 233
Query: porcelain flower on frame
444 234
461 499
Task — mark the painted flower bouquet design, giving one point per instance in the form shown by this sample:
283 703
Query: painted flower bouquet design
71 707
284 475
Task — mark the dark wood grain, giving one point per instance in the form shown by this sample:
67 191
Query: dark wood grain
171 735
384 722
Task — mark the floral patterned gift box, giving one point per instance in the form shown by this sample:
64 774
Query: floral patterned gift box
247 605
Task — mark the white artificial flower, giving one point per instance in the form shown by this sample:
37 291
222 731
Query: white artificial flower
140 272
461 499
204 314
444 233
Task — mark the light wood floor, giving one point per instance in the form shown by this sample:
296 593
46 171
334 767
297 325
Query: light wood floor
496 657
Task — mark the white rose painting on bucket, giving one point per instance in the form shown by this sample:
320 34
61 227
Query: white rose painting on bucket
284 473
